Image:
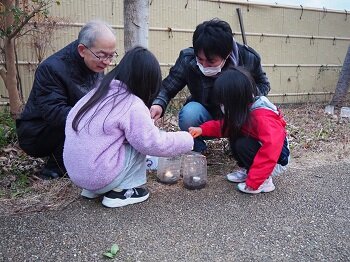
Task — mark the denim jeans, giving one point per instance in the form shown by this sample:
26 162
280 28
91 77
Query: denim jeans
194 114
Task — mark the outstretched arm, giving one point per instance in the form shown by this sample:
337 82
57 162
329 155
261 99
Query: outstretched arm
195 131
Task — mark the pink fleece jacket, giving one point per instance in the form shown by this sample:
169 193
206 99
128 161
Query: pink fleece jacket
94 155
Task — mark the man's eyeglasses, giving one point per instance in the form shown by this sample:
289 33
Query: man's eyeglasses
103 57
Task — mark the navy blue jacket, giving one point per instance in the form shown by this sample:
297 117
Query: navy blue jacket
60 81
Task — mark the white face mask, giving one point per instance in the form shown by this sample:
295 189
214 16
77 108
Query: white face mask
222 108
211 71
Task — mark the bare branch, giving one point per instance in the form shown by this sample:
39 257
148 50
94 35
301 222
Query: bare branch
27 32
28 18
3 73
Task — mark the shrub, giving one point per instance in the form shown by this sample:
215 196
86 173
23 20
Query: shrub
7 129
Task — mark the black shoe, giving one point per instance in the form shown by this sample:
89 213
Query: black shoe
47 173
125 197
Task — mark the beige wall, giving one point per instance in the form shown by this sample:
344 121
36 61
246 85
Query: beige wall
302 50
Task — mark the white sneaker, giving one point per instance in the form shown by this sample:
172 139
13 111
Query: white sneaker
265 187
89 194
238 176
278 170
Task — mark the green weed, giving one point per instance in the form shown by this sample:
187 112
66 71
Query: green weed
112 252
7 129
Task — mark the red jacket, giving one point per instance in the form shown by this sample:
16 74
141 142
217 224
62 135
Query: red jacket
266 126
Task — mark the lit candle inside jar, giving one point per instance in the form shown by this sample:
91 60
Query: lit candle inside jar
196 178
168 174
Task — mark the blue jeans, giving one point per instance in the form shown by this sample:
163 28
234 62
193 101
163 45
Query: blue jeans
194 114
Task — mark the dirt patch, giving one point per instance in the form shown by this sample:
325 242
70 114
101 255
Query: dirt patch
315 139
41 195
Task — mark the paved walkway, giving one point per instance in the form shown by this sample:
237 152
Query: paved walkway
305 219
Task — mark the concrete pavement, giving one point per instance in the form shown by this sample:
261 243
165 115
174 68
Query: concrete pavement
305 219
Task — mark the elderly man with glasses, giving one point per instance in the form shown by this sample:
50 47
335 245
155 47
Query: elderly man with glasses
60 81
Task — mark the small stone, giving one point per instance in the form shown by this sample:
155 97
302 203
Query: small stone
329 110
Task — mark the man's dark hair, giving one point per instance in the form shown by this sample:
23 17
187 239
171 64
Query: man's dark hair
214 37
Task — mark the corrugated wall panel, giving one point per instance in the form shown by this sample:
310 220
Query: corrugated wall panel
27 78
269 48
326 79
297 22
177 14
336 25
166 46
224 11
262 19
331 52
274 75
282 36
81 11
299 51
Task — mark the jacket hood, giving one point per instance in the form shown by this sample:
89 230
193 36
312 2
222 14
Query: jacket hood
263 102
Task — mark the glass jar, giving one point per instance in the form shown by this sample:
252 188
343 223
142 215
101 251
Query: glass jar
194 170
169 169
151 162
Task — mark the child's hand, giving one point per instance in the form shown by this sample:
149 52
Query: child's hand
195 131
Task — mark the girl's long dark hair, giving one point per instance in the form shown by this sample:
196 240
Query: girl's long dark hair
138 70
235 89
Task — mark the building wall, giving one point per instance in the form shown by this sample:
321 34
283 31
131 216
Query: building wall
302 49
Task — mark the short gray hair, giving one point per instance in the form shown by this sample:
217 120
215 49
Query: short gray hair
91 31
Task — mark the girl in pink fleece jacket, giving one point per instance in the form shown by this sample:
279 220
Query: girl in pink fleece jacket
109 132
255 128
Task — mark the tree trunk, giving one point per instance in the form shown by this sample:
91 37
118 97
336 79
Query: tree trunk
10 80
136 23
342 88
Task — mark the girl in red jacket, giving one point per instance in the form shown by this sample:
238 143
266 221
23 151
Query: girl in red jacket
255 128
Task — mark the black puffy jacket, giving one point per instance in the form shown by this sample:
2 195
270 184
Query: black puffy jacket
185 72
60 81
